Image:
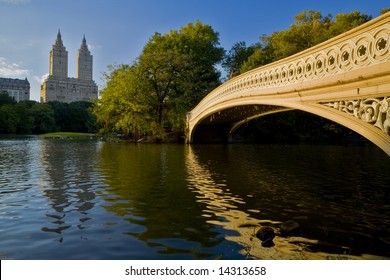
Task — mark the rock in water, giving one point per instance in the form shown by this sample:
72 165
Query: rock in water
265 233
267 243
289 228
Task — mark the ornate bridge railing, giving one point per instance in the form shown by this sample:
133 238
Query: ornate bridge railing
349 73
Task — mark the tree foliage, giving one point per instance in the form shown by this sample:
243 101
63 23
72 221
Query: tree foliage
73 117
172 74
345 22
237 56
9 119
6 99
43 115
179 68
309 29
385 10
28 117
124 107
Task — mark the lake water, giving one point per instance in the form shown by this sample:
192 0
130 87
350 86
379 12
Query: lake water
88 199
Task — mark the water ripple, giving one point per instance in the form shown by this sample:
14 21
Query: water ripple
71 199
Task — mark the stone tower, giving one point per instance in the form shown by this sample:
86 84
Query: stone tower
58 59
58 86
84 62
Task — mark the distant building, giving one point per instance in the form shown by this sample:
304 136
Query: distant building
16 88
58 86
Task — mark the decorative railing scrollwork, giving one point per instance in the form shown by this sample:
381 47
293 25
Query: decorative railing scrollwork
367 46
375 111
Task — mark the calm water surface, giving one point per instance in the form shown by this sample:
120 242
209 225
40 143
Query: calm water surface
86 199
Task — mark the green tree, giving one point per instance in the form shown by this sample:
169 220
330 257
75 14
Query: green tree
309 28
26 123
82 120
123 106
172 74
43 118
6 99
237 56
9 119
385 10
74 117
200 43
260 57
345 22
62 117
161 71
180 69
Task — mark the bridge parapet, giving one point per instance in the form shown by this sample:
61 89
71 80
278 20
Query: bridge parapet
345 79
364 46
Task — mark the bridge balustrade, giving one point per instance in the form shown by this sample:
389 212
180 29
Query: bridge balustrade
345 79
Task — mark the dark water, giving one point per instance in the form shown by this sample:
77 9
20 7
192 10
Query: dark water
86 199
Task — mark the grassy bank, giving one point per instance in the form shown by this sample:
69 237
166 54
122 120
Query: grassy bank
68 135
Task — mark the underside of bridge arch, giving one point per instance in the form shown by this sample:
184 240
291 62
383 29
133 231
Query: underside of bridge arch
219 126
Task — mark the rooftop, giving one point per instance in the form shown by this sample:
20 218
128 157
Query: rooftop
11 81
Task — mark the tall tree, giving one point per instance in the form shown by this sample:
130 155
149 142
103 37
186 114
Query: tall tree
261 56
181 69
172 74
43 118
237 56
26 123
9 119
162 71
345 22
309 29
61 115
6 99
123 106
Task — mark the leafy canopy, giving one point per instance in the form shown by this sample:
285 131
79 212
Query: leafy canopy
173 73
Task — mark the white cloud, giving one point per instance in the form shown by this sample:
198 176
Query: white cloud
15 2
11 70
93 47
40 79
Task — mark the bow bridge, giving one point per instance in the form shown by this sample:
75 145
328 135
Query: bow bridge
345 79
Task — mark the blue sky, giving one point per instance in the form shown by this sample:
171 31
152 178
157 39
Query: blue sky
117 30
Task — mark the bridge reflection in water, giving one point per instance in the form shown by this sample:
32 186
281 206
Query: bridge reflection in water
226 209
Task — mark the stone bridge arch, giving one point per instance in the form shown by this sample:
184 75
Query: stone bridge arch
345 79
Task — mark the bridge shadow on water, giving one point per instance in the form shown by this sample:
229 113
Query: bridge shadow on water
245 187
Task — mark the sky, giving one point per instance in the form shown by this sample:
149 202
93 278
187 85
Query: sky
117 30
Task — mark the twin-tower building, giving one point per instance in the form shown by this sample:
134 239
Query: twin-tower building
58 86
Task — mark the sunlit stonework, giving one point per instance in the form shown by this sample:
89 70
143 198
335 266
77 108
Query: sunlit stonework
58 86
372 110
369 48
354 66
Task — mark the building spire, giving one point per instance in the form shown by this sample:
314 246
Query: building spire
84 46
58 58
58 40
84 62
